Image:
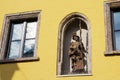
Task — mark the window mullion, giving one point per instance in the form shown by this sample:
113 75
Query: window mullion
23 38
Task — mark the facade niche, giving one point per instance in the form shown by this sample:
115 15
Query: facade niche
74 46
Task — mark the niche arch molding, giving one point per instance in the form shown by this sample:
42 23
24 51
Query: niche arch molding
61 33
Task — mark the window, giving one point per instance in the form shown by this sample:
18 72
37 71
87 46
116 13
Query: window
74 46
112 14
20 37
116 29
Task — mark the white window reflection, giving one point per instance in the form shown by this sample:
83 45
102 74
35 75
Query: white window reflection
18 40
31 30
14 50
17 31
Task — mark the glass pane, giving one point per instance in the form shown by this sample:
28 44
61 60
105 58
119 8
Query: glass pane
17 31
29 48
31 30
116 20
117 40
14 50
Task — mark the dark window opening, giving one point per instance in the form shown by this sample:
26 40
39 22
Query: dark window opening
115 14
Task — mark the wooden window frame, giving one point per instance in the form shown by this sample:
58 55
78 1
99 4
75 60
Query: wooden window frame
6 30
108 5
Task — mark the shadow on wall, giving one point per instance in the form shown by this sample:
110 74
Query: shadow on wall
7 71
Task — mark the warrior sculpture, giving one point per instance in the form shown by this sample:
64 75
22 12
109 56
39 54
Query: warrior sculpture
77 54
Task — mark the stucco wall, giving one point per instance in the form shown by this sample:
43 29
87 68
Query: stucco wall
52 13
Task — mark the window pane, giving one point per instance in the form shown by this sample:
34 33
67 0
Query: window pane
14 50
31 30
116 20
29 48
117 40
17 31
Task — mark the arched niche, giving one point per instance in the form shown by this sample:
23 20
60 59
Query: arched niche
73 23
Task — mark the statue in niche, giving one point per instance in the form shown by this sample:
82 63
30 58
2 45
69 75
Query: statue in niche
77 54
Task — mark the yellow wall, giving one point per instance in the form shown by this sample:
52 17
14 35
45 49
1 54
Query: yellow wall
53 11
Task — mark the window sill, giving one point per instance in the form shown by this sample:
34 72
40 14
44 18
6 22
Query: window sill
109 53
29 59
70 75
